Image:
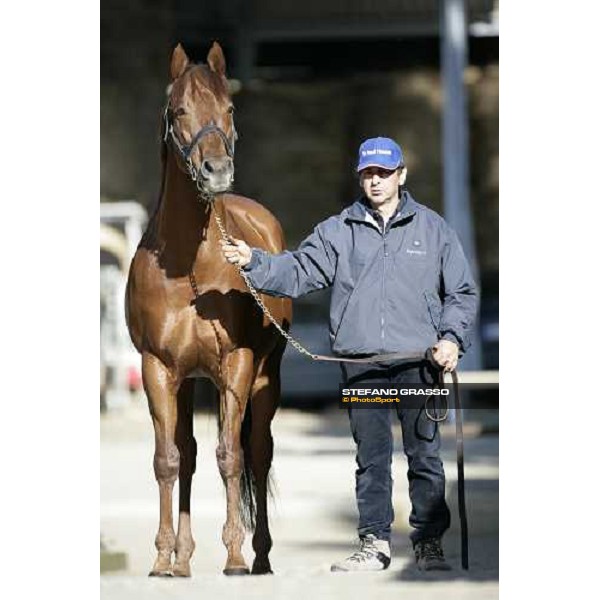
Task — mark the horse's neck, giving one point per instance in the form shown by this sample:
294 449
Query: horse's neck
181 219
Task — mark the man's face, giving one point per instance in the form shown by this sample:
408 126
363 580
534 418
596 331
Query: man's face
381 185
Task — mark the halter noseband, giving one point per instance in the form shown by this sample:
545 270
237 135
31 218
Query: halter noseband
185 151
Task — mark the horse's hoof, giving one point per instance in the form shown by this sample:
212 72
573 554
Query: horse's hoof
261 567
160 574
236 571
261 571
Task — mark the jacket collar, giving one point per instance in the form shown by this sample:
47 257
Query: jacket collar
406 208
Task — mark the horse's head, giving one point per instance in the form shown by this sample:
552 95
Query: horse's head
199 120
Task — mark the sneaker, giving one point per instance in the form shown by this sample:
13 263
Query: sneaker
374 555
430 556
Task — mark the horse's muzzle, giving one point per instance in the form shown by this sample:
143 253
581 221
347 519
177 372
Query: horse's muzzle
217 174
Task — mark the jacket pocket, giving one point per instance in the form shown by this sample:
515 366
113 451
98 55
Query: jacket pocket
434 307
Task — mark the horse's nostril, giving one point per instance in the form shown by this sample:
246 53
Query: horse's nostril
217 167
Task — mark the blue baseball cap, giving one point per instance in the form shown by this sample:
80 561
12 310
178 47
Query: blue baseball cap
379 152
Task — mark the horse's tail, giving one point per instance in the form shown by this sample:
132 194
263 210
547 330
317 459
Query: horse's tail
248 483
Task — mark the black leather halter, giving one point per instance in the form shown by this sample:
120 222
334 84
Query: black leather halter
185 151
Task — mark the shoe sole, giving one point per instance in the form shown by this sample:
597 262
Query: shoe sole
335 569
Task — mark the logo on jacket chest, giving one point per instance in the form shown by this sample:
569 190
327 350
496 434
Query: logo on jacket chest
416 249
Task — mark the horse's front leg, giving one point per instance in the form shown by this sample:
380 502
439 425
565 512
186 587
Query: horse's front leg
237 373
161 388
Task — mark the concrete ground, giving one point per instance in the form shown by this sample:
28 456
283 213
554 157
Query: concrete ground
313 515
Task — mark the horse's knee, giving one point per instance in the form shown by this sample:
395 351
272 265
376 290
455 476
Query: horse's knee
230 460
166 464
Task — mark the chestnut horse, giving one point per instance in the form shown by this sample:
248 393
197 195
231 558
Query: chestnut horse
189 314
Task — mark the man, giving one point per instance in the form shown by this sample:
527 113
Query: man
401 283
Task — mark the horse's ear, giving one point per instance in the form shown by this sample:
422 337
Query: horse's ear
216 60
179 61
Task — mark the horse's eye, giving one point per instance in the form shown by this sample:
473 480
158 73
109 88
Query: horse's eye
179 112
230 109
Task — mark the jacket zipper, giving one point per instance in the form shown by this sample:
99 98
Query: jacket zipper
384 233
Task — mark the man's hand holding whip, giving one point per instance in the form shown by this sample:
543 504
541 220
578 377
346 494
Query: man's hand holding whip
445 354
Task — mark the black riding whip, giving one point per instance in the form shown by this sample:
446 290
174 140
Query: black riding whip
460 465
460 459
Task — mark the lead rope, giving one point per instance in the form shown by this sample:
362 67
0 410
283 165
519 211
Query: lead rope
318 357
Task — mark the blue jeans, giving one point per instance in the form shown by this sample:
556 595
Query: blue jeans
372 432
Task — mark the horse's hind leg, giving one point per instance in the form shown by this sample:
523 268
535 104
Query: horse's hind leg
186 444
161 388
264 401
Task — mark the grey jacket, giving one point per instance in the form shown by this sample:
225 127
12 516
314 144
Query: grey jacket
395 291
